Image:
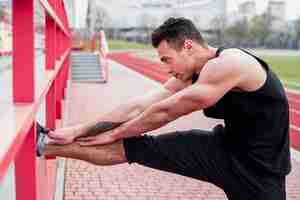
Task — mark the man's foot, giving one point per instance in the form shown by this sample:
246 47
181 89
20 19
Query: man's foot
41 135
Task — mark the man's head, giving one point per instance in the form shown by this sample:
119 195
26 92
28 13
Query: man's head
179 45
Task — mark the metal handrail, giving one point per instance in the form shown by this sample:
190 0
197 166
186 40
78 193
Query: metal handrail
18 123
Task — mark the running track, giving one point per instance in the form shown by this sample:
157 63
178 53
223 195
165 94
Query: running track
157 72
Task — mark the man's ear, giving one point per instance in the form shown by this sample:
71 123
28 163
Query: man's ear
188 44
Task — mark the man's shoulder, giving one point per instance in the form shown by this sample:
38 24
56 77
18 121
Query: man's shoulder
226 64
238 56
236 62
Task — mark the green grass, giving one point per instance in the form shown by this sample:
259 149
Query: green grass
122 45
287 68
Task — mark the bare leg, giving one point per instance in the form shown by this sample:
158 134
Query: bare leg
109 154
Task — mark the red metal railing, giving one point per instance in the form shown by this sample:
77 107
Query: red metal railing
103 50
18 124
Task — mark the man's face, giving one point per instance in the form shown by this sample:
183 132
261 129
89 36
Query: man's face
178 62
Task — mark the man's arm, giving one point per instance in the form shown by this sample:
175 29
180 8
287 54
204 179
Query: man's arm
215 81
119 115
131 110
122 113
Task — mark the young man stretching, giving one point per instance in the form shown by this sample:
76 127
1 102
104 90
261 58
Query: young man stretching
248 158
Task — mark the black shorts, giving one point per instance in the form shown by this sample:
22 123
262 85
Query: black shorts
202 155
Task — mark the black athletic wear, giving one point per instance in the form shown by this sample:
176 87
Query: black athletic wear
41 133
248 158
257 124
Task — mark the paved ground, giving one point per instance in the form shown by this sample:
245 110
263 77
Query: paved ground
85 181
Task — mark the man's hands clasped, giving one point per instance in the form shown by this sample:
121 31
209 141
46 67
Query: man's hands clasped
63 136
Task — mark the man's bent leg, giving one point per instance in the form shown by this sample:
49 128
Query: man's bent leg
109 154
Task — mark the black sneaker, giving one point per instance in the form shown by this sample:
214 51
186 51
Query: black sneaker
41 133
42 129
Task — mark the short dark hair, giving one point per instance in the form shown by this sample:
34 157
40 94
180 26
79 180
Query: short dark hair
175 31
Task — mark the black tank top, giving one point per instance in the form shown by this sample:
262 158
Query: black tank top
256 131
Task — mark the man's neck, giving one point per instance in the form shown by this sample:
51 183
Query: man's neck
209 54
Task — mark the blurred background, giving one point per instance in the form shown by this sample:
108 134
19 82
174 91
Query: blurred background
271 28
247 23
267 28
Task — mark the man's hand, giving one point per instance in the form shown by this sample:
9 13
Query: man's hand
101 139
88 132
63 135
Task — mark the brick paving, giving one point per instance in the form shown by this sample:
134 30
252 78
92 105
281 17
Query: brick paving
89 182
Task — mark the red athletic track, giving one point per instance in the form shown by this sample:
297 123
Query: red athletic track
157 72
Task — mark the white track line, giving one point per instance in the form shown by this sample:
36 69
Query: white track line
295 111
292 91
295 154
295 127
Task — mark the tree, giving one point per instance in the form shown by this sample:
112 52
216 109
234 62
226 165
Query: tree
148 22
102 19
297 30
219 25
97 17
260 28
2 13
239 33
89 18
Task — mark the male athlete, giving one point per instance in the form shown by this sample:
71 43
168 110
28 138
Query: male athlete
248 157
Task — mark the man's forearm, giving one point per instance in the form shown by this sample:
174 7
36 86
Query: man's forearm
159 115
122 114
153 118
98 128
108 121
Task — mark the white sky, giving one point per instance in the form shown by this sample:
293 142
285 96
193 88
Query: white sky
292 7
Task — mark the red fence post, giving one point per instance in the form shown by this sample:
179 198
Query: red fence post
23 92
50 43
61 33
58 56
64 78
67 70
103 51
94 42
30 180
57 38
26 179
58 98
23 50
50 65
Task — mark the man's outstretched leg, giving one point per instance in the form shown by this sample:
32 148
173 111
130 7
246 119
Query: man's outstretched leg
109 154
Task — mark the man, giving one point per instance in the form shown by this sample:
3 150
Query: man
248 158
